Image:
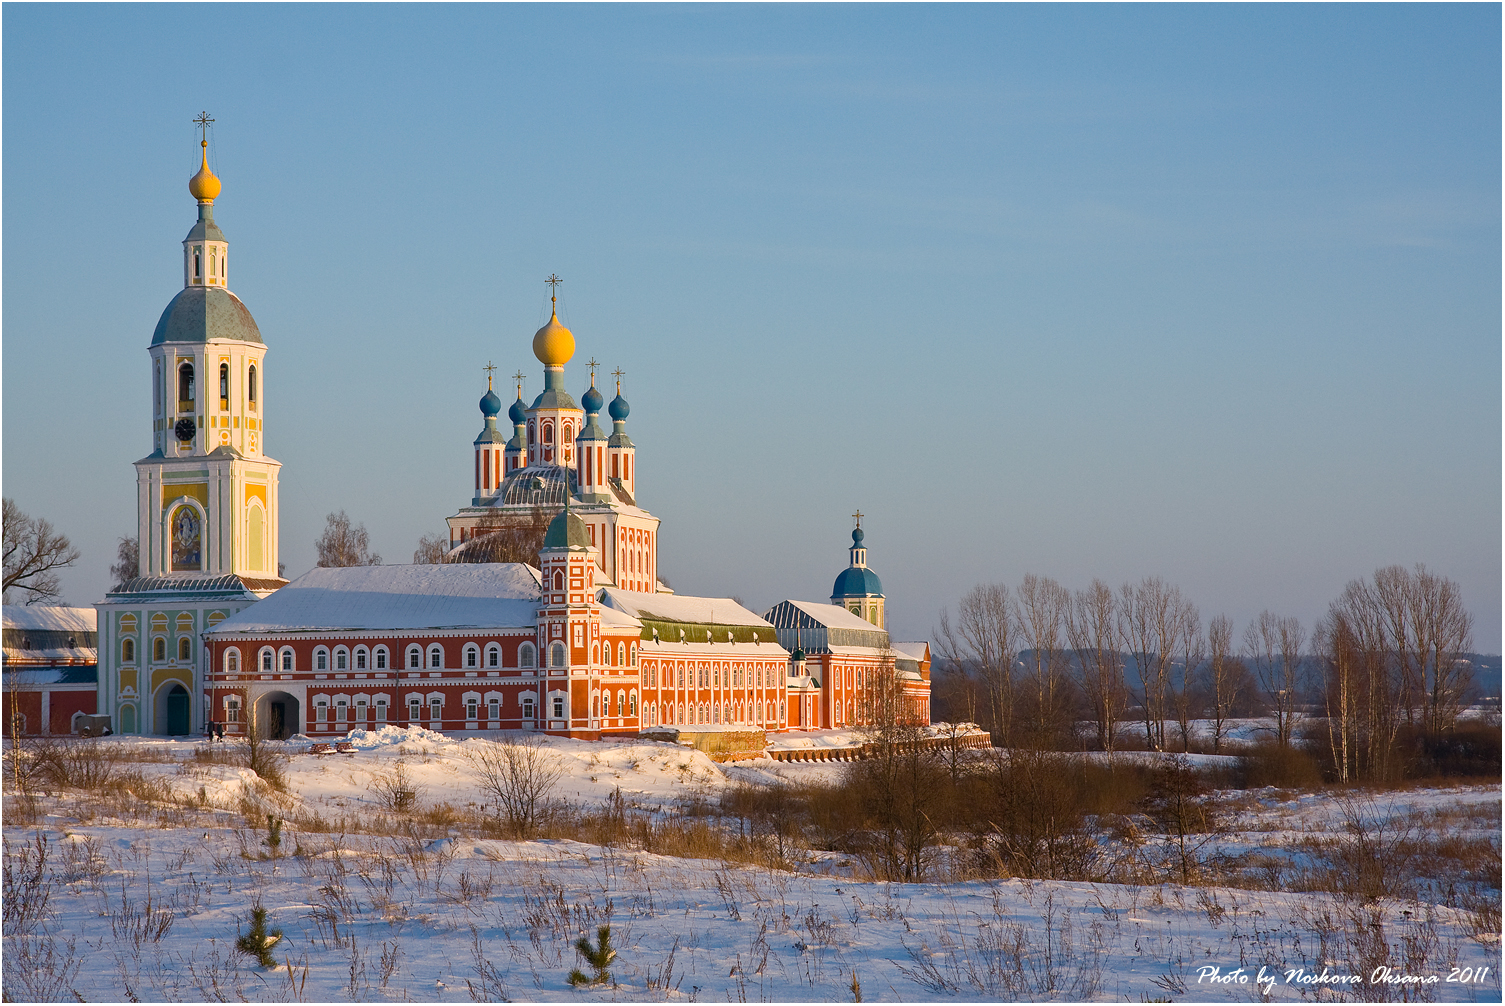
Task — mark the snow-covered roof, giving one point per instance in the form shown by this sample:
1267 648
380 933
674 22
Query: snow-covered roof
916 650
681 608
38 616
459 595
833 615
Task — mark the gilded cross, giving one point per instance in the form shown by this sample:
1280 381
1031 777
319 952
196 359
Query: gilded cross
488 368
203 122
858 517
619 373
518 377
593 365
553 282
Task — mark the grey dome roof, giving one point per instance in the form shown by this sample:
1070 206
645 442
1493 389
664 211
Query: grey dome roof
201 313
857 581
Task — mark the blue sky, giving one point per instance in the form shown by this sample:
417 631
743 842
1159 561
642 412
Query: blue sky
1211 293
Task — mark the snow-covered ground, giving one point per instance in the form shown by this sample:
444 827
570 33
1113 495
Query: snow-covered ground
153 913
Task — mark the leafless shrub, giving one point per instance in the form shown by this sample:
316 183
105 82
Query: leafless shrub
395 789
519 777
28 885
40 967
140 923
489 987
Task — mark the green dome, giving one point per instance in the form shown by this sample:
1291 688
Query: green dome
566 531
202 313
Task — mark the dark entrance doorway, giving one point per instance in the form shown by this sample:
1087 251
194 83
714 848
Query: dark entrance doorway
177 710
277 722
277 716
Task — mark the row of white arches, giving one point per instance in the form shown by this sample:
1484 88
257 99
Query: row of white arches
416 657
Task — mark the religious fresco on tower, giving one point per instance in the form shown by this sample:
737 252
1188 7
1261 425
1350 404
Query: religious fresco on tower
187 534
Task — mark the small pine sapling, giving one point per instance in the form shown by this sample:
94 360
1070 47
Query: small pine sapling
274 834
599 957
258 942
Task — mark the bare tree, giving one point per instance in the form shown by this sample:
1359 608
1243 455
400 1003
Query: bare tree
343 545
127 561
1444 632
519 776
1149 618
1193 648
34 552
506 537
1042 608
1275 646
900 784
431 549
1092 627
1223 678
982 641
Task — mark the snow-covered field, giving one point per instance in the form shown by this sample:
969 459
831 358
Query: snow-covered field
140 911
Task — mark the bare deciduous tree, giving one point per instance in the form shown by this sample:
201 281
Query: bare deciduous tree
901 782
506 537
1275 646
431 549
519 776
1193 648
1149 619
982 642
34 552
1223 678
1092 627
1043 606
343 545
127 561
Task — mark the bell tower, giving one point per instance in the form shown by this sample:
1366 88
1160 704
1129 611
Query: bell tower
207 494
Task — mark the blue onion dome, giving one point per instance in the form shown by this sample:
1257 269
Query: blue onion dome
490 404
618 408
592 400
857 537
517 413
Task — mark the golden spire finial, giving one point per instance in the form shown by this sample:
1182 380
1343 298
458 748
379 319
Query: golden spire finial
553 282
593 365
518 377
204 186
619 373
488 368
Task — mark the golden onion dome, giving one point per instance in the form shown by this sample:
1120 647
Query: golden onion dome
204 186
553 344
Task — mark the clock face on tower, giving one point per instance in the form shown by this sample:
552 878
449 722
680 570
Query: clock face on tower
184 429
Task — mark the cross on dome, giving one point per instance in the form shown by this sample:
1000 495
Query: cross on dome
488 368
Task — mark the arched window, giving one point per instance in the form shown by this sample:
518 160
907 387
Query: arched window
157 390
622 653
557 655
558 580
360 658
493 657
251 385
341 659
595 654
185 384
548 433
287 659
381 658
128 650
436 657
224 383
266 660
619 703
187 535
472 658
159 649
632 704
321 659
232 660
184 650
525 655
415 657
595 705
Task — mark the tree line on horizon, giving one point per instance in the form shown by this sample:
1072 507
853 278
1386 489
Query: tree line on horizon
1031 663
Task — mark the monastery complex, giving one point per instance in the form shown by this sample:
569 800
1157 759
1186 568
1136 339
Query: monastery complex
588 643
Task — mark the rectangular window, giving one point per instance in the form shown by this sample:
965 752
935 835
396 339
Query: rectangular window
323 662
287 661
494 709
381 660
470 709
558 708
360 661
232 712
266 661
414 713
340 712
339 661
321 712
381 710
434 708
360 711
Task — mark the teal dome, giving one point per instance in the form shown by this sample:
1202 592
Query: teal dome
518 413
490 404
201 313
856 582
592 400
618 408
566 531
